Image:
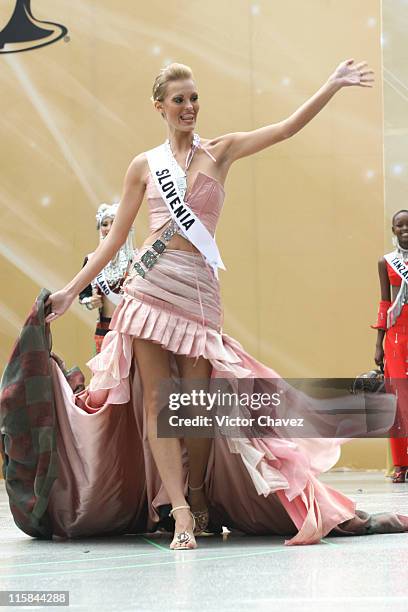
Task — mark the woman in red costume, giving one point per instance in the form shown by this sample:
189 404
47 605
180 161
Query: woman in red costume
169 323
392 323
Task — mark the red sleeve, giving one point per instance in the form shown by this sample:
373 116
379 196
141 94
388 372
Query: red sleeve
382 315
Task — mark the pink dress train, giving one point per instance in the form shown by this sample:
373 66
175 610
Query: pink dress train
108 482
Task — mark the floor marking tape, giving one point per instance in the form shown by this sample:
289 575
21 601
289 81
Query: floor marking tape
154 564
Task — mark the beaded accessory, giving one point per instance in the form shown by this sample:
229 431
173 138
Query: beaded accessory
116 270
150 257
177 171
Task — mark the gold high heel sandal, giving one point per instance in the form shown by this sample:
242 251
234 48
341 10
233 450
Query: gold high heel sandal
183 538
201 517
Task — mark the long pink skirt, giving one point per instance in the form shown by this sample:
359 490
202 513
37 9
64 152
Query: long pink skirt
108 481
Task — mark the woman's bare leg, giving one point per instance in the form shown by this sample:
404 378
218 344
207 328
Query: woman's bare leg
153 364
198 448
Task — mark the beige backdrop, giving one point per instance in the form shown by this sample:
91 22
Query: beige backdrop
303 222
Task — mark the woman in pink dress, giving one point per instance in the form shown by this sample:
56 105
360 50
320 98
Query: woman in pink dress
169 324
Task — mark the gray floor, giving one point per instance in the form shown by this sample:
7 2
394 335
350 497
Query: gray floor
227 572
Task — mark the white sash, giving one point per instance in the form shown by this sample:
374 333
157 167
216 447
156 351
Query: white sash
396 263
182 214
106 290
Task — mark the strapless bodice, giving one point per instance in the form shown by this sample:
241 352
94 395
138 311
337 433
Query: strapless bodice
205 198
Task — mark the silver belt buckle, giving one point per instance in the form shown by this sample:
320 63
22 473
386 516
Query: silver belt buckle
149 259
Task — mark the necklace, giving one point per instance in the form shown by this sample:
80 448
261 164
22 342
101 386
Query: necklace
177 171
403 252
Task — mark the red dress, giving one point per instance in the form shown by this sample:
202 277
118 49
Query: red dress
396 372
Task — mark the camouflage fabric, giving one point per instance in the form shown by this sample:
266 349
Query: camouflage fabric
27 423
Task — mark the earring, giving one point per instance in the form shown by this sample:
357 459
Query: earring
395 241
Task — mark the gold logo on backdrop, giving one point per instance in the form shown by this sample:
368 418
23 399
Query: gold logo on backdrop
24 32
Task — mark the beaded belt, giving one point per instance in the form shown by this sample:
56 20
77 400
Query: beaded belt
149 259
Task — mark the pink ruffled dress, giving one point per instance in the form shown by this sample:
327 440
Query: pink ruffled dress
108 481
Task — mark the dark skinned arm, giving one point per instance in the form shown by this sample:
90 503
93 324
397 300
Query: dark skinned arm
385 295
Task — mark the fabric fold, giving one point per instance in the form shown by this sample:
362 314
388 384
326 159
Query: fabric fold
107 481
161 309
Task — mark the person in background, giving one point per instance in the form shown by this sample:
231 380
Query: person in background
168 327
103 292
391 351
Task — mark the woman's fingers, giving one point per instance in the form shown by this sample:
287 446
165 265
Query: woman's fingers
57 303
358 74
361 65
51 317
364 75
96 303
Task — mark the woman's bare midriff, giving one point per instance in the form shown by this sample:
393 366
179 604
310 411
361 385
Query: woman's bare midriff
177 242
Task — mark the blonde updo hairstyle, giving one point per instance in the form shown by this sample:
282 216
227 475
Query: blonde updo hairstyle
172 72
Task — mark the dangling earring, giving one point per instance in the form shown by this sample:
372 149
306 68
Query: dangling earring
395 241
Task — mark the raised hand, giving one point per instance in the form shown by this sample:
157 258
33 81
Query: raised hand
60 302
348 73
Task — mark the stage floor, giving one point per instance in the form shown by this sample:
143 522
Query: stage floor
231 573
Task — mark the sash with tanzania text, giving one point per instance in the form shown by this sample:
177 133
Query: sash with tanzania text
396 263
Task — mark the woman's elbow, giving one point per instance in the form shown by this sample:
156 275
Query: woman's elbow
288 130
117 239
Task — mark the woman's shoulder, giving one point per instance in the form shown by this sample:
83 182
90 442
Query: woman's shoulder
218 146
385 259
138 163
138 170
382 265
